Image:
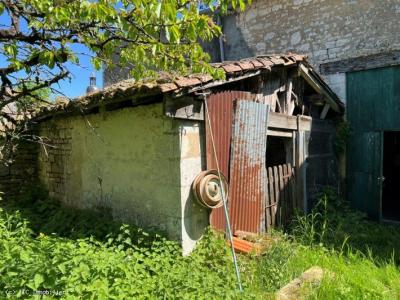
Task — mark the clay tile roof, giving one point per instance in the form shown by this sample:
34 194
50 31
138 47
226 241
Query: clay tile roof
267 64
167 83
245 65
168 87
204 78
230 68
256 63
277 60
186 81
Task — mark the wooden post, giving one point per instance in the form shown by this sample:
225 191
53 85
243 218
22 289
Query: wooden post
272 207
268 203
301 168
277 200
281 196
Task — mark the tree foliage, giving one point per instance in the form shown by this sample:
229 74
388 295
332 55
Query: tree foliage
39 41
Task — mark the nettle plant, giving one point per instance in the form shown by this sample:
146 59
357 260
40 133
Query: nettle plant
38 43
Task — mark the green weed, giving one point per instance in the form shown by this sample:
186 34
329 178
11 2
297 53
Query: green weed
85 255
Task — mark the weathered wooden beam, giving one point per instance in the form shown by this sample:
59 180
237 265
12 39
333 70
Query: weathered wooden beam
282 121
305 73
301 167
279 133
390 58
290 103
271 86
277 120
213 84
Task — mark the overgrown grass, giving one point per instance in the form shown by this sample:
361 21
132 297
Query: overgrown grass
44 246
334 225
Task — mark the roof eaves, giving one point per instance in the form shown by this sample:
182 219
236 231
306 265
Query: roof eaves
316 81
234 71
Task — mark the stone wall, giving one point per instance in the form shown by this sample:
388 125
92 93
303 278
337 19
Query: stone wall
21 171
134 162
326 30
54 158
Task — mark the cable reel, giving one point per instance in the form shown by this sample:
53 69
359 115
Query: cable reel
206 188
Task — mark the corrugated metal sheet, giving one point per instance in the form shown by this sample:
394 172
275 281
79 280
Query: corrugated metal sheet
248 167
220 107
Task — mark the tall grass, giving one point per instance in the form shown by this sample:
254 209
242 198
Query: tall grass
46 247
332 224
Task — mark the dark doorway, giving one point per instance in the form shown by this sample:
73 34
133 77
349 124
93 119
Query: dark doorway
279 151
391 174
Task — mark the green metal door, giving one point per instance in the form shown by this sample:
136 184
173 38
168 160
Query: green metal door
373 106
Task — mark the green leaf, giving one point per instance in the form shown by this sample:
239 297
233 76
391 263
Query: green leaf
175 34
24 256
96 63
47 58
11 50
61 267
167 35
242 5
38 280
158 9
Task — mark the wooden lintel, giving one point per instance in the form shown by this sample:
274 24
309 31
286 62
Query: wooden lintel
184 108
282 121
280 133
277 121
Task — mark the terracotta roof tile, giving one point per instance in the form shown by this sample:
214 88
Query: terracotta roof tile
187 81
231 68
245 65
267 64
256 63
276 60
168 87
204 78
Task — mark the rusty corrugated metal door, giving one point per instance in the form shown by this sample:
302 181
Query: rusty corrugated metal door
220 110
247 189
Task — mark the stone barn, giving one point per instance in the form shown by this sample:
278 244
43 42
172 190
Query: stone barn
135 148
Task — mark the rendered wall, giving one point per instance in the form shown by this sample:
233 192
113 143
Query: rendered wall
135 162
